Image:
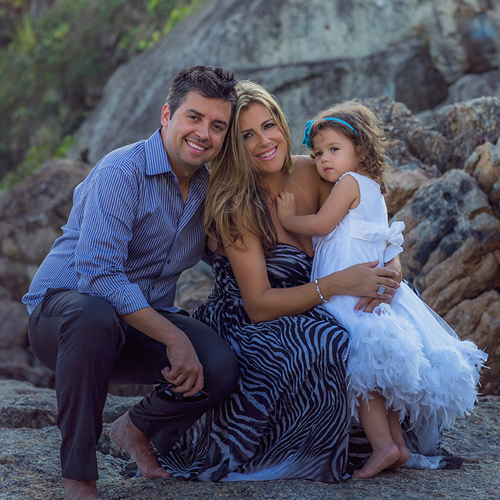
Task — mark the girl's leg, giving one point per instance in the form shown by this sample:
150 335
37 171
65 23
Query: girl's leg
375 422
397 436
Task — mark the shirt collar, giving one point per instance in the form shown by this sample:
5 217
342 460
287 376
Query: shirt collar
157 160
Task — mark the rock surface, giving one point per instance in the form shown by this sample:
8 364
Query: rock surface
474 85
31 217
479 320
29 462
409 50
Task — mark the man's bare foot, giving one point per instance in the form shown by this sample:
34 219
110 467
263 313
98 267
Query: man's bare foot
80 490
378 461
127 436
404 455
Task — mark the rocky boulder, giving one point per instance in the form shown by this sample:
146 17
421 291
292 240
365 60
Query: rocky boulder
309 57
474 85
452 247
31 217
478 319
484 166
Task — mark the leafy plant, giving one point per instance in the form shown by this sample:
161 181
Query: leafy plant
55 65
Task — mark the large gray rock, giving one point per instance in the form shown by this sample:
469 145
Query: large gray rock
24 405
31 216
484 166
474 85
455 131
29 462
193 287
478 320
309 55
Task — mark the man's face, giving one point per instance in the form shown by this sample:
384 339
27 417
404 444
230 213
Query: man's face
195 133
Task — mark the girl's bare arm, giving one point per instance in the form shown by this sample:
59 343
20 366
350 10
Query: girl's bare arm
344 196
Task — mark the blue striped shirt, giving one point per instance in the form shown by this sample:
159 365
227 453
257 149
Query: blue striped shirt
129 234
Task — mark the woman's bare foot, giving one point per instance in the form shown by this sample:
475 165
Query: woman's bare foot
80 490
404 455
127 436
378 461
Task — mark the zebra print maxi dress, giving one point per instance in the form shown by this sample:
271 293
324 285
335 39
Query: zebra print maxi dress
289 417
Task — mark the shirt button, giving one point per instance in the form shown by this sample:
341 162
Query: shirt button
168 261
178 195
153 287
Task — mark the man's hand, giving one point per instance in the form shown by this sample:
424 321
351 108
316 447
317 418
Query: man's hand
185 372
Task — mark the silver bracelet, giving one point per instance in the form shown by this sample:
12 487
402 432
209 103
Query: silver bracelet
316 282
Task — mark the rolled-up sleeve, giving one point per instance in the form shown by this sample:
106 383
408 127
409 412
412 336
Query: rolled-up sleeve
106 230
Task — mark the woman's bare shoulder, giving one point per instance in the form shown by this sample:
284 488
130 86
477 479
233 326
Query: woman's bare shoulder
301 162
305 175
304 169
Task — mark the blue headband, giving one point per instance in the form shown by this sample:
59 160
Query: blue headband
309 124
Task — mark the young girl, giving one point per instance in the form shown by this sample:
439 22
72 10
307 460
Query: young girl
404 360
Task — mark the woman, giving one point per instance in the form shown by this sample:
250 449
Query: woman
289 417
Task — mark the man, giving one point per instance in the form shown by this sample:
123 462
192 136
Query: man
101 303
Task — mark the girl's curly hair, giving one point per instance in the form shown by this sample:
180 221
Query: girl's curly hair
370 142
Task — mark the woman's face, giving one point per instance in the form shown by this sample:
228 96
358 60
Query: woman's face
265 142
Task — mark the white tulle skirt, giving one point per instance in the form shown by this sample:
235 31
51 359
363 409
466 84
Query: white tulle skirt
407 353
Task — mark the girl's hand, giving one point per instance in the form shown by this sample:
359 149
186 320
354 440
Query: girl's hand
286 205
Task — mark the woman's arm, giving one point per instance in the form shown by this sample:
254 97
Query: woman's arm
344 195
264 303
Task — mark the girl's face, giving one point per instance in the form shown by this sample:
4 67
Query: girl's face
334 154
265 142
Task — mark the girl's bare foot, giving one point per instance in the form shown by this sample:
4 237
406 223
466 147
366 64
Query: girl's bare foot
404 455
378 461
127 436
80 490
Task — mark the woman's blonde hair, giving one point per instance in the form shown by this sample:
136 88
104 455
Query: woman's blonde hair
370 141
238 200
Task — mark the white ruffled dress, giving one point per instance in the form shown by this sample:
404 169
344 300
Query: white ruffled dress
404 351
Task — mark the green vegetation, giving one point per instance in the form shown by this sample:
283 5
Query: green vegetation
55 57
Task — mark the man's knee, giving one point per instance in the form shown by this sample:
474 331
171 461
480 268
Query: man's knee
80 321
92 315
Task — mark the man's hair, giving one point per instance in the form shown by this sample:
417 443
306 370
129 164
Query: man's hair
212 83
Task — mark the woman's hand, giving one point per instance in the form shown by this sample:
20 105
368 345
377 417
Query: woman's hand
364 280
369 304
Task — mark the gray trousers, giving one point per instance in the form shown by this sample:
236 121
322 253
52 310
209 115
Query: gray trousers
88 346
